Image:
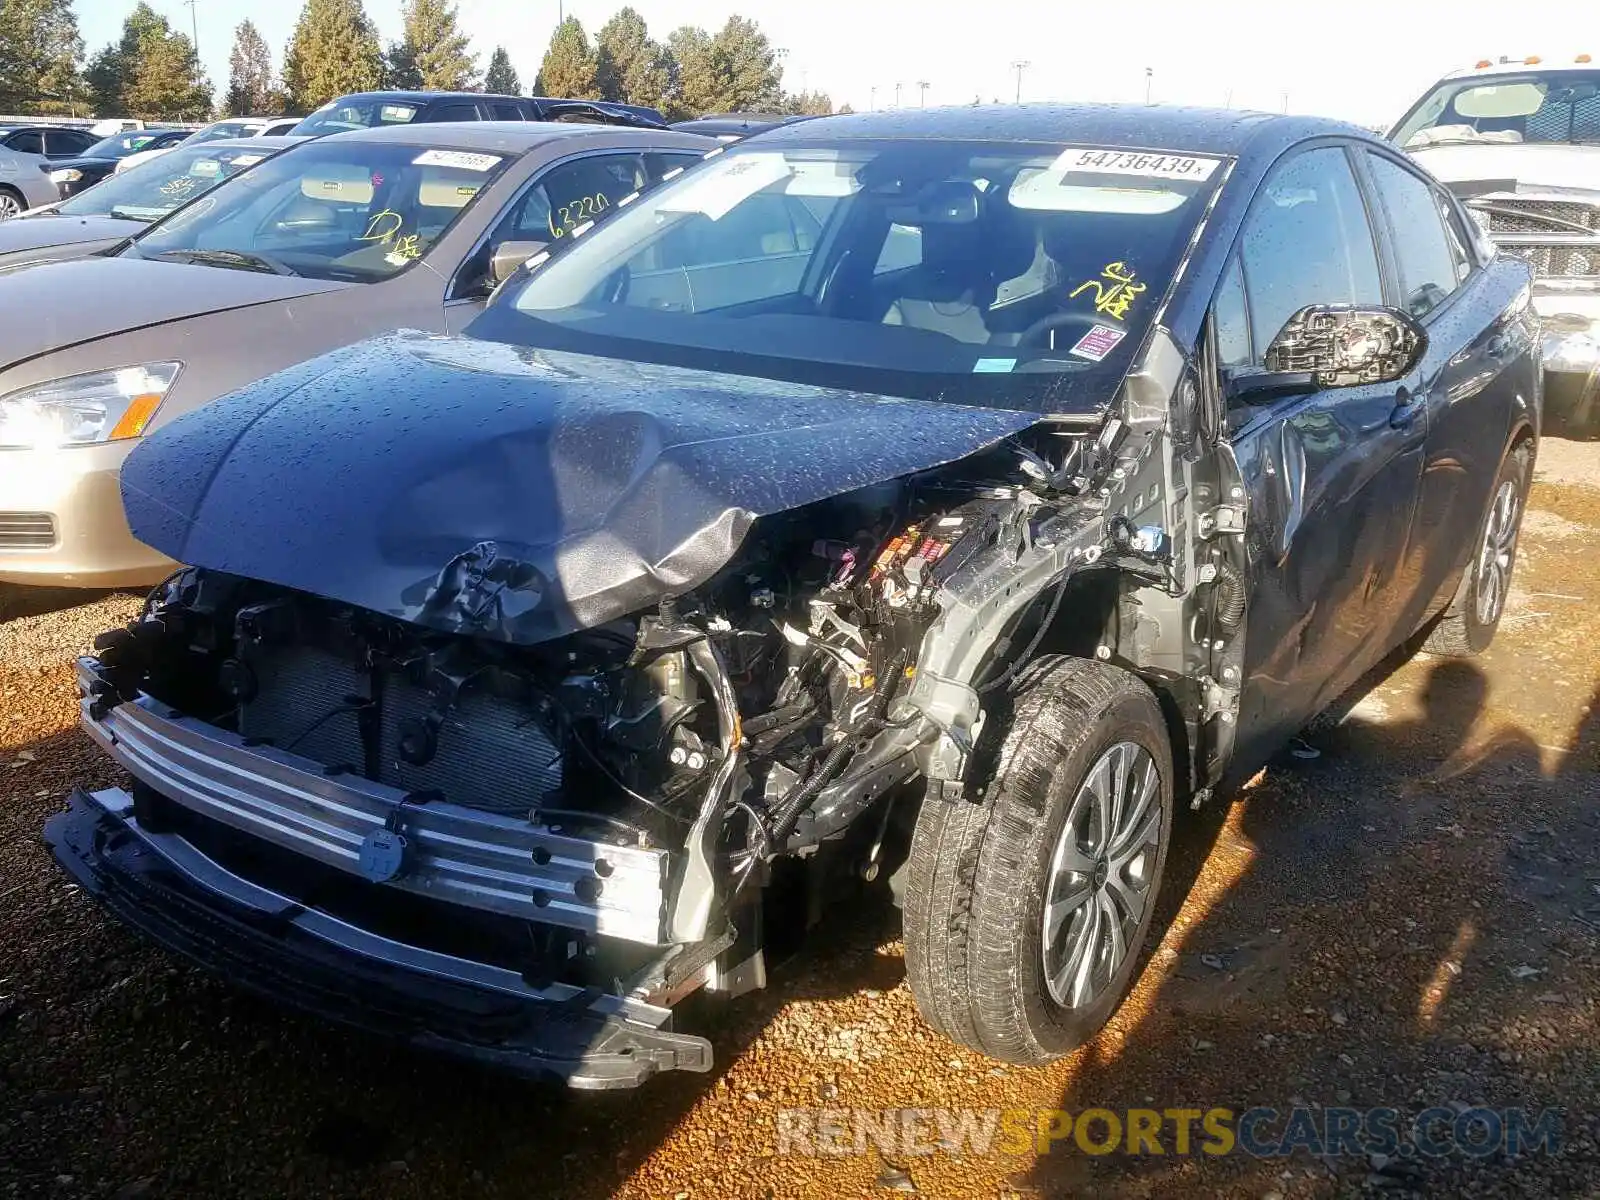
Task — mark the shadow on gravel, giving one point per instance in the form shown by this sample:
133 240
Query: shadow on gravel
19 601
1416 925
137 1075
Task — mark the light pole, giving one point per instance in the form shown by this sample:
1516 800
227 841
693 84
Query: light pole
194 28
922 102
1019 66
897 94
1149 82
874 105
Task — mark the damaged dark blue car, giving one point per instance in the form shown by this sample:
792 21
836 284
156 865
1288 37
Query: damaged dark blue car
940 500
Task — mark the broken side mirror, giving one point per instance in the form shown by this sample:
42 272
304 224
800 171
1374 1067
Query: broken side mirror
1332 346
508 256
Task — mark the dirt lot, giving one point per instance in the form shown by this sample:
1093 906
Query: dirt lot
1410 919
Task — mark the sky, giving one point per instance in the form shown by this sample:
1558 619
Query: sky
1360 60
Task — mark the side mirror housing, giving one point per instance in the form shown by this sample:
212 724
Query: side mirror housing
1331 346
508 256
1342 345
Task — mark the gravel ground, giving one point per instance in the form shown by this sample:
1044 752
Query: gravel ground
1410 919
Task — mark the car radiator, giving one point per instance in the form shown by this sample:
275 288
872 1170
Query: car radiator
489 754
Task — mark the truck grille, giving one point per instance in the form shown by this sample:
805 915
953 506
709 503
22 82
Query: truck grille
27 531
1539 216
1560 262
490 754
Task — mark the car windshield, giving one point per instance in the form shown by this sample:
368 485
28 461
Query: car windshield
152 189
357 114
339 209
958 271
223 130
120 145
1541 107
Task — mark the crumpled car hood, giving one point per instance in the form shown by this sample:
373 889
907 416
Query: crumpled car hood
509 493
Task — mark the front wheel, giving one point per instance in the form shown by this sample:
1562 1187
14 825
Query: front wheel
1025 912
1469 624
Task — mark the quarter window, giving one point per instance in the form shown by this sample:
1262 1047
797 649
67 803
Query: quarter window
1307 241
1230 318
1428 265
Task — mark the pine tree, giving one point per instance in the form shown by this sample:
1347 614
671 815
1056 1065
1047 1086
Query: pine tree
333 51
501 78
39 53
746 66
249 74
112 66
808 104
434 51
569 67
150 72
694 91
629 66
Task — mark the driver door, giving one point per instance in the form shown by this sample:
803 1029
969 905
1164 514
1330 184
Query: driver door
1332 477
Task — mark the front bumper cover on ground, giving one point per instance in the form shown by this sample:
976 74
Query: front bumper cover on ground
273 945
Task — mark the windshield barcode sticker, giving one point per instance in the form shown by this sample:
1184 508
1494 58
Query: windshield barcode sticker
1097 343
1086 160
459 159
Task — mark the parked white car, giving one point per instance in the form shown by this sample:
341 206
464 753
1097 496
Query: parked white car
233 127
1519 141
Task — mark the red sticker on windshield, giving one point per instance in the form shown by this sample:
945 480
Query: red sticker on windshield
1097 343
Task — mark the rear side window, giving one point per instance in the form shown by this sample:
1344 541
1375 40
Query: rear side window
1429 266
1307 241
28 142
507 112
453 112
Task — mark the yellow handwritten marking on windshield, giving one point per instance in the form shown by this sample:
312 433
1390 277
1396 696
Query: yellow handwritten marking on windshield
383 226
569 216
1114 292
408 247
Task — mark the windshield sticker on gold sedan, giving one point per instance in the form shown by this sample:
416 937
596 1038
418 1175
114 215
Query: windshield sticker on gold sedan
1090 161
1114 292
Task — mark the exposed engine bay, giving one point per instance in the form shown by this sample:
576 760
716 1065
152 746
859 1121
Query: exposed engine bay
613 808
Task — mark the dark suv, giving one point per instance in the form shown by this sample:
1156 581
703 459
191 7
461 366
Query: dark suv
364 110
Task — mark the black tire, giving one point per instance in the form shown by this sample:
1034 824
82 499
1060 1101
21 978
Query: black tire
978 872
1468 625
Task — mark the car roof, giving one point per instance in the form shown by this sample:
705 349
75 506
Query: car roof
409 97
505 137
1542 66
1144 126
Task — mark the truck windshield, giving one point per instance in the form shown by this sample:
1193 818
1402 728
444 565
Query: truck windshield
980 273
1537 107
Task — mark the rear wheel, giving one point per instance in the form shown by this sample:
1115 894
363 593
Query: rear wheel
10 203
1025 913
1469 624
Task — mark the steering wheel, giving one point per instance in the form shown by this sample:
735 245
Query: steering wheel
1053 321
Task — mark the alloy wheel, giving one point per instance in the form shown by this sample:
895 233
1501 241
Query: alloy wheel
1494 557
1101 875
9 206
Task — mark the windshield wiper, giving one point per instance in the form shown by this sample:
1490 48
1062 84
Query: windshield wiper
239 260
119 214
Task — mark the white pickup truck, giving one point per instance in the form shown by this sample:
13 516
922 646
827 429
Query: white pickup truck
1519 142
